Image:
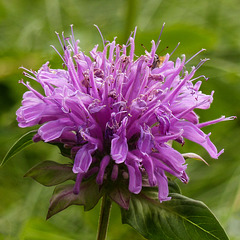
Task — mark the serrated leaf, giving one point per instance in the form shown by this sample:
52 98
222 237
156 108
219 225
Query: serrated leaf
180 218
20 144
50 173
64 197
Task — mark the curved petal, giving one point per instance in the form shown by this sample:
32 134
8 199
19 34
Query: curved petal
162 185
119 146
135 176
77 185
149 167
119 149
83 158
105 161
54 129
145 142
170 157
193 133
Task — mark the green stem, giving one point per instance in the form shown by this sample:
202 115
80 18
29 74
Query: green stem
104 218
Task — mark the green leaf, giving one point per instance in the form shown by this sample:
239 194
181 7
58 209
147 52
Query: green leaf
66 152
180 218
173 187
50 173
20 144
64 197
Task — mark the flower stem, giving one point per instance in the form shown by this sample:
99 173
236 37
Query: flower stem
104 218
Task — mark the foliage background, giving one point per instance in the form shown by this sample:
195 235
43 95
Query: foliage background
27 31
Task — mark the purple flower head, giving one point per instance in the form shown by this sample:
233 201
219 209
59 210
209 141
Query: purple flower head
118 113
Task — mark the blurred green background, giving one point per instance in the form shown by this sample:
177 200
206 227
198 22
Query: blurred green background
26 32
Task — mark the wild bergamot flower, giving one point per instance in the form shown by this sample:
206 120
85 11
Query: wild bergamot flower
118 113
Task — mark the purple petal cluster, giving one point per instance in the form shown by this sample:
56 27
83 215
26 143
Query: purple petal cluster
119 113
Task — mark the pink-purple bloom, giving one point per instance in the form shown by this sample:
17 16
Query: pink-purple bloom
118 113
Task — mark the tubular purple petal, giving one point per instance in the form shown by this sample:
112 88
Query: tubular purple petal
223 118
105 161
83 158
145 142
77 185
193 133
149 165
135 176
54 129
162 185
170 157
119 146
